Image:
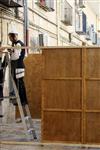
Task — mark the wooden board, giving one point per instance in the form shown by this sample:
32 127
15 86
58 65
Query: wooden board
33 78
71 95
62 126
58 63
62 94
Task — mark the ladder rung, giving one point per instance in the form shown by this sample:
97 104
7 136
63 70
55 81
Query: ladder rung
5 97
30 130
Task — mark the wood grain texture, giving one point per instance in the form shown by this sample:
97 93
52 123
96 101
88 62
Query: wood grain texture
93 63
62 94
33 78
71 95
92 128
63 126
58 63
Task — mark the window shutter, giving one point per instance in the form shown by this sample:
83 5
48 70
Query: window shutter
84 22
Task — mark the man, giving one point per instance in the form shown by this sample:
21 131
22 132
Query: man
18 68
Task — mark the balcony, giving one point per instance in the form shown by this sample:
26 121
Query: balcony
12 3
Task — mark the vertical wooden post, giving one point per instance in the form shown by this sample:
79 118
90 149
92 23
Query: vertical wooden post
83 94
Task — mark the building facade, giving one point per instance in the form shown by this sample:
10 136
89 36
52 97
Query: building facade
51 22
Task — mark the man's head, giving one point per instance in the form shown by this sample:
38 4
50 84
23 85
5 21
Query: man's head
13 36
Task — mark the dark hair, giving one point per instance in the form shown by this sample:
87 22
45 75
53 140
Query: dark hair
12 35
0 43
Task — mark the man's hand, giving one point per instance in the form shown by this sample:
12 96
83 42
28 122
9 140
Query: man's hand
10 50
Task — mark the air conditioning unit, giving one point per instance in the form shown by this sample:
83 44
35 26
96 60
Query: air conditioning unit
98 41
12 3
43 40
80 23
94 38
81 3
88 33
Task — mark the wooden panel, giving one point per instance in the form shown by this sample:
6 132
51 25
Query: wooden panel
71 95
59 63
33 77
93 63
62 126
93 95
93 128
63 94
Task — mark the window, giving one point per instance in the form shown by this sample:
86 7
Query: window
80 22
43 39
66 12
80 3
47 5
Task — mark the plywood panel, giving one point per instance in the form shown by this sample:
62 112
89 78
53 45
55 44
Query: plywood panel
62 126
93 128
63 94
93 95
33 78
93 63
59 63
71 95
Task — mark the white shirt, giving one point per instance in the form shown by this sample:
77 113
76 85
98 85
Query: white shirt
16 53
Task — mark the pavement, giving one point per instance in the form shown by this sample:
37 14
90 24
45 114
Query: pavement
12 137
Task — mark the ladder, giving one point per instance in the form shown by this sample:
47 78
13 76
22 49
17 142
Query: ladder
26 120
25 117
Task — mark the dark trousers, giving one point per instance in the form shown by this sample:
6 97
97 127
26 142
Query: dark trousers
1 86
22 91
19 84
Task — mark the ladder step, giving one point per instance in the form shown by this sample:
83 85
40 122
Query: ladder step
6 97
30 130
27 117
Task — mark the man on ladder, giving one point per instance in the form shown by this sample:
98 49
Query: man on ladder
17 73
17 67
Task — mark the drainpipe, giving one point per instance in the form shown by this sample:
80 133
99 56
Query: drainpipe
26 24
1 30
58 17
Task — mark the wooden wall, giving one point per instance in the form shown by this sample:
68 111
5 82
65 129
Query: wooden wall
33 78
71 95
